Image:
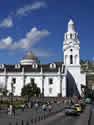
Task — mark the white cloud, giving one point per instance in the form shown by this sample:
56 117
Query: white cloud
35 35
27 43
31 38
38 5
6 42
29 8
7 22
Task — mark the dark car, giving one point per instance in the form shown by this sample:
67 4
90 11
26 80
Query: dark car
70 111
83 104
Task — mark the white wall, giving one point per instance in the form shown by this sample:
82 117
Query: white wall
74 53
77 76
83 79
55 86
18 85
2 81
64 86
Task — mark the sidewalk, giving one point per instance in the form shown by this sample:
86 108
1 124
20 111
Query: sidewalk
92 116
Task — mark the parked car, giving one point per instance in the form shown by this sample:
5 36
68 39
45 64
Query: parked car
78 107
70 110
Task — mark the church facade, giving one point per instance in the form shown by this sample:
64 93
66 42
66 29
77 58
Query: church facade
53 79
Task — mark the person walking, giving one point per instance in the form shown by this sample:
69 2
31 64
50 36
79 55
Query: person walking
36 106
10 110
13 109
23 107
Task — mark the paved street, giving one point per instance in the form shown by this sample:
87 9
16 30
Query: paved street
56 119
92 116
61 119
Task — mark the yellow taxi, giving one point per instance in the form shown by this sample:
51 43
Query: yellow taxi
78 107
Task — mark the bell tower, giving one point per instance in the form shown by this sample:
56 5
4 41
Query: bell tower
71 46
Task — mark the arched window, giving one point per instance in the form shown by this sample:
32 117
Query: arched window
13 80
50 81
71 50
71 59
17 66
35 66
53 65
70 36
1 66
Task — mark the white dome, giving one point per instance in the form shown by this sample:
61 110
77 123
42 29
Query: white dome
29 59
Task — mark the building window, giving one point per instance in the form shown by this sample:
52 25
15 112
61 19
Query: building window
50 90
71 59
71 50
50 81
35 66
53 65
1 66
32 80
17 66
14 80
70 36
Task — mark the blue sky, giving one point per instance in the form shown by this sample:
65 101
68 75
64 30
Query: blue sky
39 25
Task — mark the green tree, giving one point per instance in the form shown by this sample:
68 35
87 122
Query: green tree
3 90
30 90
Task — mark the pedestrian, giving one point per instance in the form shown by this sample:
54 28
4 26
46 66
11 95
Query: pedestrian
44 107
13 109
10 110
29 105
36 106
23 107
49 108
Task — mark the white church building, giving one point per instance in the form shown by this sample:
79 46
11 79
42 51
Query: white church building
53 79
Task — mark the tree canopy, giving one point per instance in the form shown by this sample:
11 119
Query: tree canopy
30 90
3 91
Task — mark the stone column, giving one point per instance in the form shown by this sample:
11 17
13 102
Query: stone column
64 91
43 85
25 80
5 78
60 85
23 77
42 82
60 81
